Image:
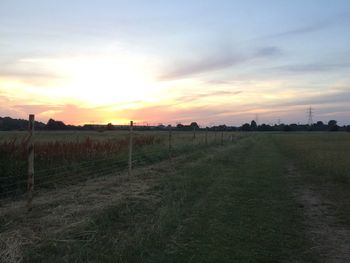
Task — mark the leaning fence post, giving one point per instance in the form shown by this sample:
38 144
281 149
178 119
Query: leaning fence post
30 147
130 147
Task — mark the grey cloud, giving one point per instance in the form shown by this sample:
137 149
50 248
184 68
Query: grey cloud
202 65
300 30
196 96
224 59
335 97
268 51
313 67
320 25
33 76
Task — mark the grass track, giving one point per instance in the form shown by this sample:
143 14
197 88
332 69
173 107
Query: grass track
323 158
231 204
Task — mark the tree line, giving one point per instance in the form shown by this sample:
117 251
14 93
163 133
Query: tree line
8 124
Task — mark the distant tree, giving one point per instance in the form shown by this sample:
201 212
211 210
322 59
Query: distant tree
332 125
222 127
8 124
245 127
264 127
319 126
293 126
194 125
281 127
161 126
55 125
110 127
180 126
253 125
287 128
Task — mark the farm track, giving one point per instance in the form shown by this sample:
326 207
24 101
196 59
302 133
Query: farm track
331 238
59 210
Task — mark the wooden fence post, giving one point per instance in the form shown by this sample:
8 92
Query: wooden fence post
30 148
170 138
130 147
215 134
206 136
194 133
222 137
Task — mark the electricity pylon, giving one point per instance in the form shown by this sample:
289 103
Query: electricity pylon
310 114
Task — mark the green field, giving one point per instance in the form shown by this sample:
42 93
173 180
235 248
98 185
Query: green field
259 197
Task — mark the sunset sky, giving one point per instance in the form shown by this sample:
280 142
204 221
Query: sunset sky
213 62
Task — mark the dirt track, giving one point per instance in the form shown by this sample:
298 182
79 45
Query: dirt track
330 238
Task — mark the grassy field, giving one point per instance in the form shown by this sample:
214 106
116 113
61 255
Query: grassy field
252 200
323 154
324 158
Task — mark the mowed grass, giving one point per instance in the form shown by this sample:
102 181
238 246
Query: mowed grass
223 204
323 158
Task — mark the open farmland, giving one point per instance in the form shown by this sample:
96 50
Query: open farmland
259 197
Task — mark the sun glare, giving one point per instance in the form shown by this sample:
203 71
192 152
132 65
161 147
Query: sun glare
103 80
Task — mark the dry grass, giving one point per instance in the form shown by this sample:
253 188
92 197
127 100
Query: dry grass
64 209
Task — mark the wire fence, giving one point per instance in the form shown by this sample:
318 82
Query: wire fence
170 144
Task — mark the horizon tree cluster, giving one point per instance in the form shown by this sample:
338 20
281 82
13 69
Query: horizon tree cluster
8 124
